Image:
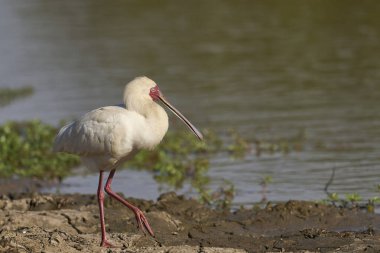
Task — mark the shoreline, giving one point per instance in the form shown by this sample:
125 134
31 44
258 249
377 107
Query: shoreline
69 223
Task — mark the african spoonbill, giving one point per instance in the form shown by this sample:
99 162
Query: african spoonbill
108 136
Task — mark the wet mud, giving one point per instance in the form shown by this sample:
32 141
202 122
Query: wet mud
70 223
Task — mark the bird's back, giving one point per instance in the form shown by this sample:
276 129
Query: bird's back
101 132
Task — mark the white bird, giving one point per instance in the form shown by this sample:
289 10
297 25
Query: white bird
108 136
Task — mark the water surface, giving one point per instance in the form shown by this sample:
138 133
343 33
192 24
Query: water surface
271 69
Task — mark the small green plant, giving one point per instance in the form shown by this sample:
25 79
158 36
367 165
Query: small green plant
265 181
284 146
220 199
7 95
371 204
239 146
354 198
334 197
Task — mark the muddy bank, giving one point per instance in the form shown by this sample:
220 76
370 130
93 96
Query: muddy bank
69 223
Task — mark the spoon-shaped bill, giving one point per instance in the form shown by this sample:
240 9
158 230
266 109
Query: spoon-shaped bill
183 118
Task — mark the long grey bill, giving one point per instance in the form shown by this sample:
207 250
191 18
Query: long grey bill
183 118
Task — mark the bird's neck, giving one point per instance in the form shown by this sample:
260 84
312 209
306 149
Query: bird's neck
156 124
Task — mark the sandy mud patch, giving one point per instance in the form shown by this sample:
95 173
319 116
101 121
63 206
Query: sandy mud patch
69 223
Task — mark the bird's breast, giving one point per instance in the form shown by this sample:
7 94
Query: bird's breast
152 129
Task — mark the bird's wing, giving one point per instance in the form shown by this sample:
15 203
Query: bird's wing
100 132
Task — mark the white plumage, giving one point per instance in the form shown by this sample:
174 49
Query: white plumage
107 136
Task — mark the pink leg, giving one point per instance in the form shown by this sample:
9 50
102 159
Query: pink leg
142 222
104 242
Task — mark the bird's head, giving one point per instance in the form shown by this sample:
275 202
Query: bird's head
144 89
139 88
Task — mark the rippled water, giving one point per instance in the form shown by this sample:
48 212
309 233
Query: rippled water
271 69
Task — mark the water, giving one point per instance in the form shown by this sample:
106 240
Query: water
270 69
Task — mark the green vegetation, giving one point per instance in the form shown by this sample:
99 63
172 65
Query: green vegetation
352 200
7 95
238 147
371 204
182 157
25 150
264 182
219 199
179 157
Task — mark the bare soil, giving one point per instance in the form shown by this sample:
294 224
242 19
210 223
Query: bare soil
69 223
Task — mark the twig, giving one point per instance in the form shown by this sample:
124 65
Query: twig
329 182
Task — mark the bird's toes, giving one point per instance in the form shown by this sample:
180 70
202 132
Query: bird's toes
106 244
143 224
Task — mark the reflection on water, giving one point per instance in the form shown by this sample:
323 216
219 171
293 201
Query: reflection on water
270 69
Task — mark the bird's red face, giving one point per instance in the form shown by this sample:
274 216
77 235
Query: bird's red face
155 93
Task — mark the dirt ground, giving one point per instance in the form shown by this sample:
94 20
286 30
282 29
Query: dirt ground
69 223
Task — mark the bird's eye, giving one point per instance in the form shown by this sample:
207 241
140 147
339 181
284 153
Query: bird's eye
154 93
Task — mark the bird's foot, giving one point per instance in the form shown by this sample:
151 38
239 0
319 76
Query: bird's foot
142 222
106 244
